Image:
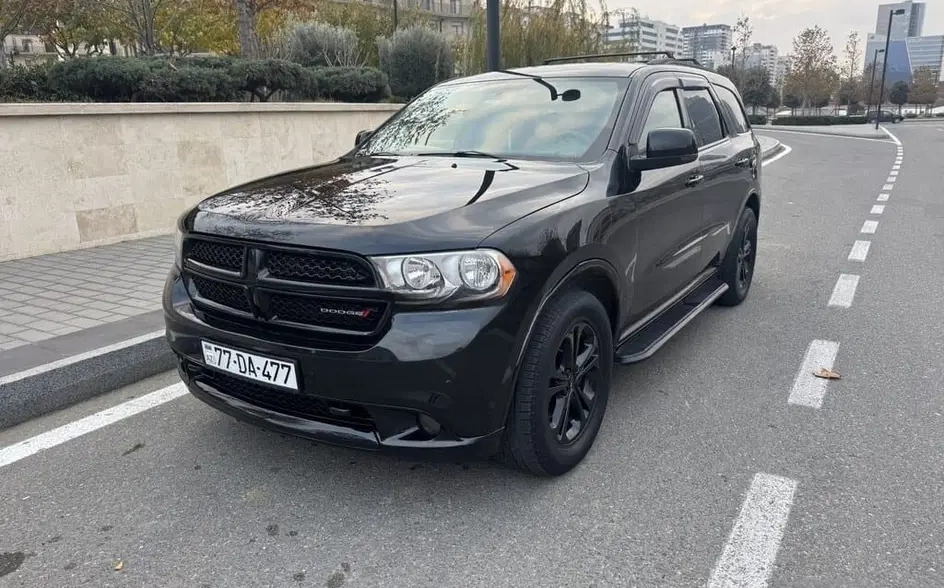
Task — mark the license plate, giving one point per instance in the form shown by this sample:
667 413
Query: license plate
250 366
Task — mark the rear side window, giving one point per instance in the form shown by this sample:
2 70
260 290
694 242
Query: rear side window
732 107
663 114
706 122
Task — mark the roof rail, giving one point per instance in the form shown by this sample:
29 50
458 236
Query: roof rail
667 54
677 60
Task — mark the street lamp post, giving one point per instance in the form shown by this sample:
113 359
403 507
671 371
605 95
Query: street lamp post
493 50
888 37
868 106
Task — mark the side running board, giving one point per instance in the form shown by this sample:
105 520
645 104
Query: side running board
644 343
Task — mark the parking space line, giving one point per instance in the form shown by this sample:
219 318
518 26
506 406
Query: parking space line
808 390
749 554
68 432
869 227
860 250
844 291
877 209
883 197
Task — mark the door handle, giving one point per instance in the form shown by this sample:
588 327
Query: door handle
696 179
742 162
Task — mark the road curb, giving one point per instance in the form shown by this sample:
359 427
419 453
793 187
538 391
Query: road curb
63 379
768 152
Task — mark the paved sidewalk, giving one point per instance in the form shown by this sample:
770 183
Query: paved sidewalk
54 295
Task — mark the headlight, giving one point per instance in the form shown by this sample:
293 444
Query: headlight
460 275
179 248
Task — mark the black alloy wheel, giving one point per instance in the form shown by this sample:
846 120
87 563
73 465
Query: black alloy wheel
572 387
737 268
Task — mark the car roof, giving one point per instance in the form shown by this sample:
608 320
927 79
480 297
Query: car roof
596 69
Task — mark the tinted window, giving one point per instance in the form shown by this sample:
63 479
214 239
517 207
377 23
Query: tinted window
705 120
732 108
550 118
663 114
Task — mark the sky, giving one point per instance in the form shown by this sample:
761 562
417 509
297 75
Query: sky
776 22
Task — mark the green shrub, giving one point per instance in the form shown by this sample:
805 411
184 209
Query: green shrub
415 59
187 84
102 79
757 119
31 83
263 78
351 84
818 120
320 44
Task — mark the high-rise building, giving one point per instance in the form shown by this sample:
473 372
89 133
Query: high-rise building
909 24
648 34
906 55
709 44
765 56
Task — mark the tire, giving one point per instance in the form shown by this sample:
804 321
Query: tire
732 267
530 442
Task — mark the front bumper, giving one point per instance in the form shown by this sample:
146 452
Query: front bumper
452 366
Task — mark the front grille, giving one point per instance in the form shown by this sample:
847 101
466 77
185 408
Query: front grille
286 401
321 312
218 255
223 294
319 268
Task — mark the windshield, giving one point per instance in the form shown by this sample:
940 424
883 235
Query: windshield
526 117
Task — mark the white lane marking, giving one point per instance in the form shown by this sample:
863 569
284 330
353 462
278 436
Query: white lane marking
786 151
844 291
54 365
898 161
883 197
749 554
860 250
893 137
896 167
808 390
893 173
877 209
891 179
828 135
888 187
60 435
869 227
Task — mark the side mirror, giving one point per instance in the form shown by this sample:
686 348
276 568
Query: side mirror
667 148
361 137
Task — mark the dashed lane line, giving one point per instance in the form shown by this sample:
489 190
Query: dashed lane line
860 250
888 187
748 556
869 227
808 390
877 209
883 197
844 291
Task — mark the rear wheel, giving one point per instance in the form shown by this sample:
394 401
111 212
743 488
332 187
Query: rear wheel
562 388
737 268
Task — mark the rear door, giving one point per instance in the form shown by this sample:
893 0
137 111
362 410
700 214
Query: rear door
719 165
735 165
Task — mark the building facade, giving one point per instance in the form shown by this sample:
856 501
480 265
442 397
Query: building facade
26 49
765 56
909 24
709 44
647 33
907 55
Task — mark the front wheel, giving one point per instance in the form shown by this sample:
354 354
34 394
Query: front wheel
737 268
562 387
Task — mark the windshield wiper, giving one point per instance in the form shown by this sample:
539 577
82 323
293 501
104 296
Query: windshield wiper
462 153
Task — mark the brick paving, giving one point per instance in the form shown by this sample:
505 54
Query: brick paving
52 295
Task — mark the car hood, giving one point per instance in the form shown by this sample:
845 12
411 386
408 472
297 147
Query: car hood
375 205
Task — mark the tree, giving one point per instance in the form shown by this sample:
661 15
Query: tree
813 72
19 15
250 14
852 55
76 27
756 89
899 94
742 33
924 86
872 94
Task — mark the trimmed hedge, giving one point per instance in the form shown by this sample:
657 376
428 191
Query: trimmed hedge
190 79
757 119
818 120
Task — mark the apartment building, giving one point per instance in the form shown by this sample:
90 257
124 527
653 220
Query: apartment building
26 49
648 34
709 44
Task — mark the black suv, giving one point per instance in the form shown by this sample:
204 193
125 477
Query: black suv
462 281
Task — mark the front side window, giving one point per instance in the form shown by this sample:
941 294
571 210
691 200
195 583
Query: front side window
663 114
552 118
706 122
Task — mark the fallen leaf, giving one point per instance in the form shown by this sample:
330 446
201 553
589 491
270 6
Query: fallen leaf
119 565
827 374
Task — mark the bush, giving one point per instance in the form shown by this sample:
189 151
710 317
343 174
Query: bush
105 79
415 59
263 78
818 120
188 84
757 119
351 84
323 45
31 83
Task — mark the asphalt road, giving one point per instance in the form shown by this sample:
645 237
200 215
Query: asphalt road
181 495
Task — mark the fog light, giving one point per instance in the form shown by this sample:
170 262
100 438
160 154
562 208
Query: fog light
429 425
